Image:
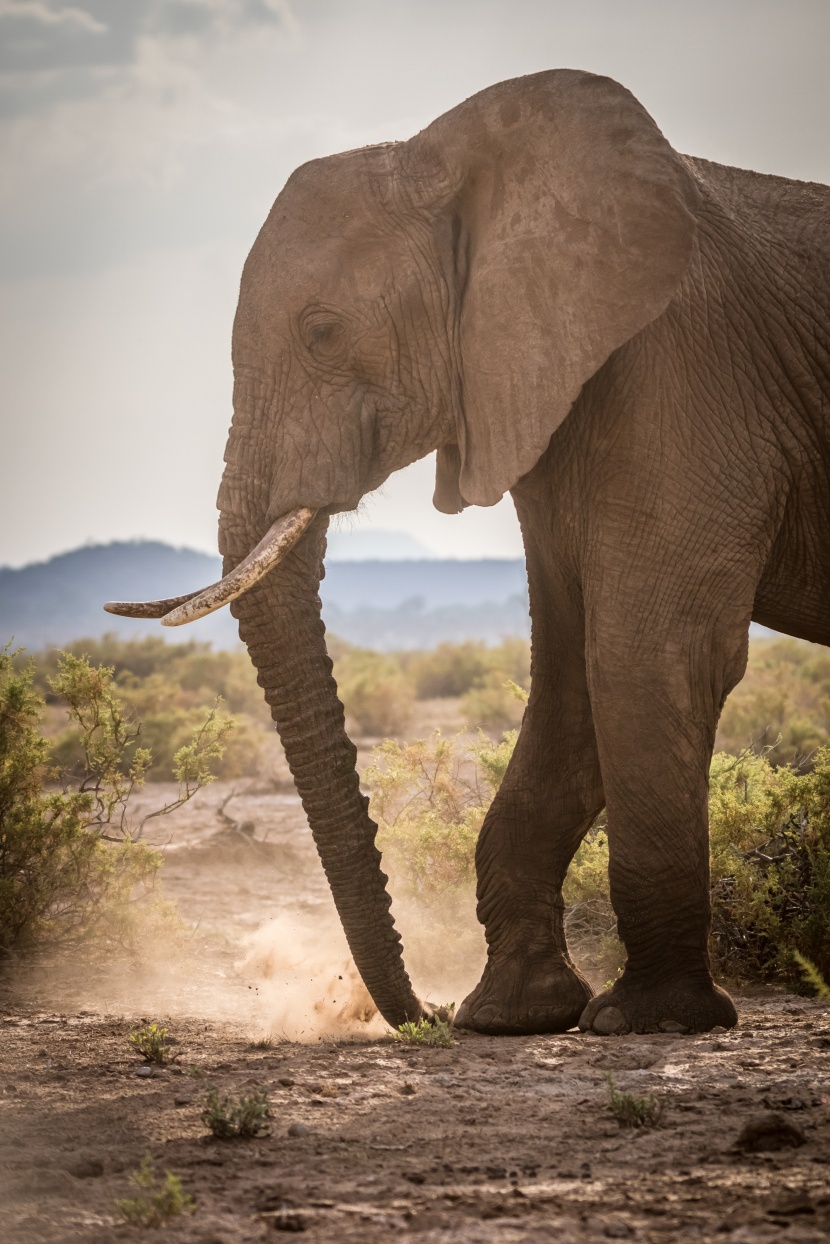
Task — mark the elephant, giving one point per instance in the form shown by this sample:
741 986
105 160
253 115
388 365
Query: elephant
635 345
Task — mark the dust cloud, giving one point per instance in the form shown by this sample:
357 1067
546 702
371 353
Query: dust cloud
306 983
307 986
259 943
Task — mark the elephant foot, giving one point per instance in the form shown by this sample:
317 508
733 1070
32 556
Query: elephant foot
523 994
684 1004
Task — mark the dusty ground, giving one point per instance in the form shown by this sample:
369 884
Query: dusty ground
506 1139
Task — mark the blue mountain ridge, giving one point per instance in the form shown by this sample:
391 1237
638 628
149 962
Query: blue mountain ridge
376 603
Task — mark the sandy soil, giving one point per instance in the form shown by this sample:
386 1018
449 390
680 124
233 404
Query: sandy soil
506 1139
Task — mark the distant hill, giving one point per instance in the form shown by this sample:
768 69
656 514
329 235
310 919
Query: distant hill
358 546
379 603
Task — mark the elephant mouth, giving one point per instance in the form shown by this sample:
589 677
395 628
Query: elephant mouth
272 548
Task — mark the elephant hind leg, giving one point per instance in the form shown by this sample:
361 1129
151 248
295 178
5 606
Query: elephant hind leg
656 700
550 795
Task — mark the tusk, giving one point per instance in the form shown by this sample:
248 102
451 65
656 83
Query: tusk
146 608
278 540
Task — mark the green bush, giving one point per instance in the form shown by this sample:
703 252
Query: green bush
167 687
497 705
449 670
429 798
781 708
375 692
71 862
770 852
462 669
770 849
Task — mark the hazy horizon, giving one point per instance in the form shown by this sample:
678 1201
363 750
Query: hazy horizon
143 145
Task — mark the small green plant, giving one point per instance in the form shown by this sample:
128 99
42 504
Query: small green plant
232 1118
158 1199
631 1111
425 1032
812 976
152 1044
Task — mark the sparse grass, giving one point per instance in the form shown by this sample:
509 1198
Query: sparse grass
425 1032
235 1118
812 976
152 1044
631 1111
158 1199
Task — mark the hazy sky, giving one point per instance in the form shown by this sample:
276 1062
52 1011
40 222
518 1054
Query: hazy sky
143 141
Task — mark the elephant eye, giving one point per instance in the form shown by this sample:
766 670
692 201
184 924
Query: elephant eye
325 339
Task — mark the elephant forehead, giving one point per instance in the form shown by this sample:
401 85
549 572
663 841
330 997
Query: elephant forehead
333 197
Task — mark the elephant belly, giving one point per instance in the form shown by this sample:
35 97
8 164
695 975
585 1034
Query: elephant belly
794 593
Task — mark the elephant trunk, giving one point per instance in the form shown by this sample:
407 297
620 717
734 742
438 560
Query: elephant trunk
280 622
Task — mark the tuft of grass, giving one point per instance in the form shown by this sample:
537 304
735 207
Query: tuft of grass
812 976
425 1032
631 1111
152 1044
235 1118
265 1042
158 1199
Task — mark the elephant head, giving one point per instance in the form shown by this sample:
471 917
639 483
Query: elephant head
451 293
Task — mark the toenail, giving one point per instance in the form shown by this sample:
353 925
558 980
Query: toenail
486 1015
672 1025
609 1020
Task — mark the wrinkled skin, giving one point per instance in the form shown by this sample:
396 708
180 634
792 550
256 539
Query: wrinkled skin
635 345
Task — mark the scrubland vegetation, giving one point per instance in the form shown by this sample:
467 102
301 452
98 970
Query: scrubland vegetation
80 730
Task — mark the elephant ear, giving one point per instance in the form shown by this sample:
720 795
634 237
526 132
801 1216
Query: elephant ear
573 224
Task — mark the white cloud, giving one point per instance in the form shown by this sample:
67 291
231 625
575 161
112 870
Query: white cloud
37 11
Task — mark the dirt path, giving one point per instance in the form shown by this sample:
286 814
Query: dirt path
496 1139
506 1139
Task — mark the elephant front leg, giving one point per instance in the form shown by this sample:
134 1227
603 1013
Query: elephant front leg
549 797
655 714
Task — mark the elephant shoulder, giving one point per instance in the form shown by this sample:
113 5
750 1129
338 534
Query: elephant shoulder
774 210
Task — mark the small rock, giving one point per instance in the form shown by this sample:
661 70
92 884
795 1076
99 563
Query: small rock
611 1228
718 1030
286 1082
287 1219
182 1101
672 1025
87 1168
298 1129
609 1020
144 1072
407 1089
768 1133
